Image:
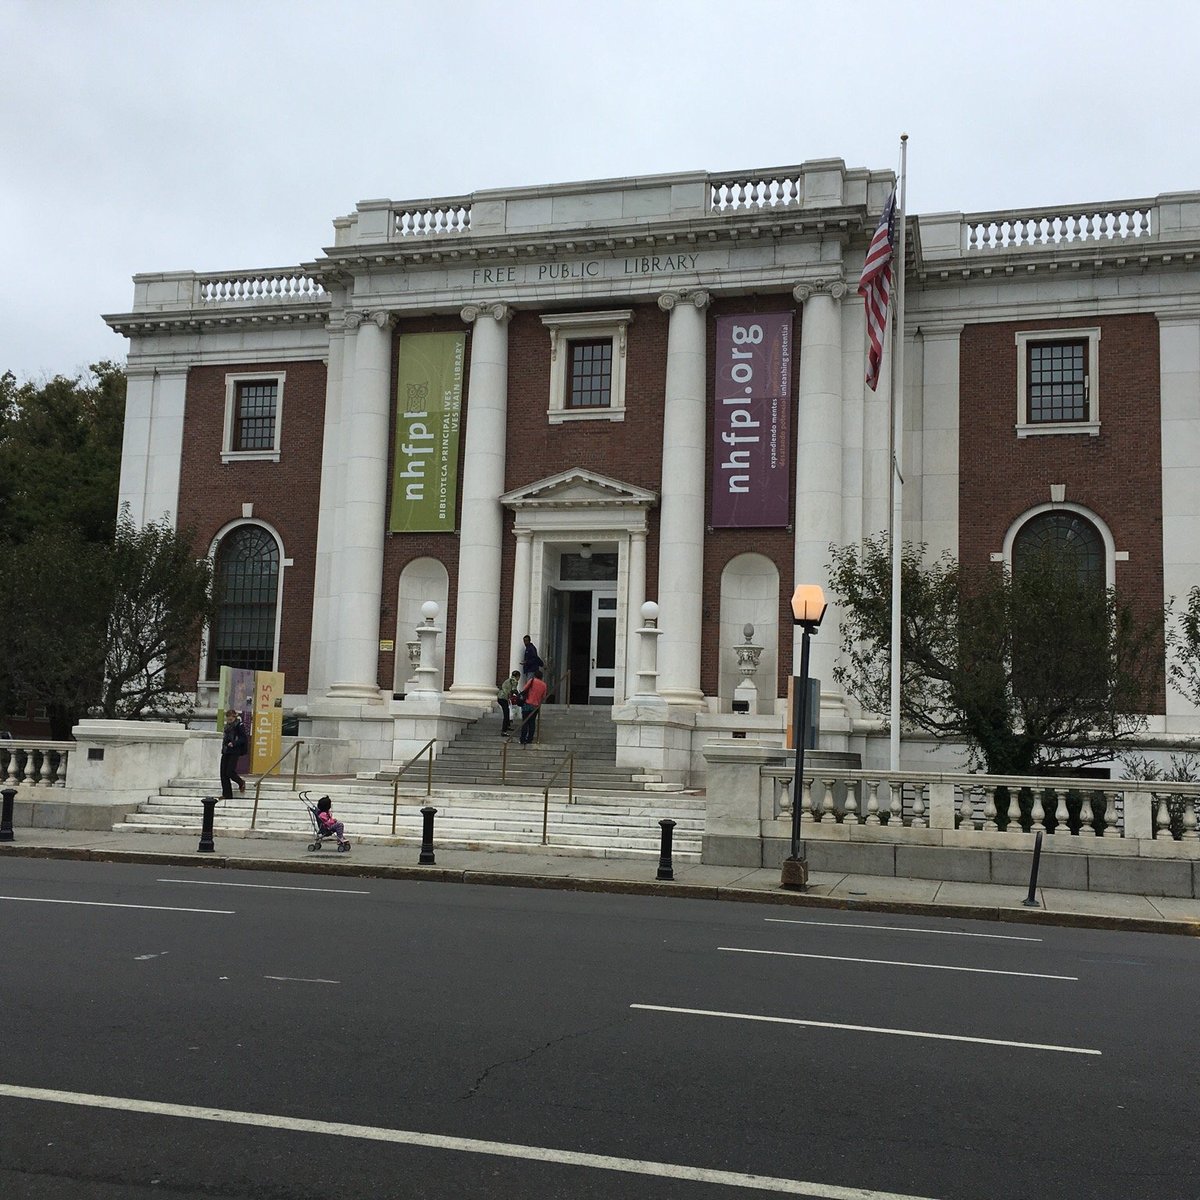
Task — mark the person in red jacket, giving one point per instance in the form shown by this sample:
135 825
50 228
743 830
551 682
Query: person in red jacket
531 701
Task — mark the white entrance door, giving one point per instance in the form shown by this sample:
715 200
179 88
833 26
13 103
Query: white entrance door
602 681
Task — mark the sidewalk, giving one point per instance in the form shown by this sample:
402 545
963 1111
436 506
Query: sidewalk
869 893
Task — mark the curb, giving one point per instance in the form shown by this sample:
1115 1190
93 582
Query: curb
628 887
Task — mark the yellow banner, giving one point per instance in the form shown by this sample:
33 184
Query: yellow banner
266 735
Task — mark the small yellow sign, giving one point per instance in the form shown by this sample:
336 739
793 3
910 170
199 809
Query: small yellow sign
266 738
387 644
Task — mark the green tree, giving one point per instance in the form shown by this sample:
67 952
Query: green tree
114 627
161 597
1033 672
60 454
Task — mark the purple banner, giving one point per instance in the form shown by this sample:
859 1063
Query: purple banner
752 421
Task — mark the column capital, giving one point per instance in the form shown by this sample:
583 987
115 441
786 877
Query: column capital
699 298
498 312
380 318
820 287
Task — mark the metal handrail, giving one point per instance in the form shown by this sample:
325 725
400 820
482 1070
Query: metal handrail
569 761
428 778
259 782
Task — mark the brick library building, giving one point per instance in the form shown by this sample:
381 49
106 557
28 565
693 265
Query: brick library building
625 417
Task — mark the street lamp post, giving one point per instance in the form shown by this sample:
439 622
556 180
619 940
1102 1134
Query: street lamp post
808 608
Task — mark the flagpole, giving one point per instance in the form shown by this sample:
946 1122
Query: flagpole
898 457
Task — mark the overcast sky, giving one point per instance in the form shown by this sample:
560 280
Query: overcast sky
227 134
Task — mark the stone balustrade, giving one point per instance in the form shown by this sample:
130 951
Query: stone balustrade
1054 226
283 284
992 804
426 218
765 189
25 763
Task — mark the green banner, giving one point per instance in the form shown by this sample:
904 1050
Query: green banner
429 383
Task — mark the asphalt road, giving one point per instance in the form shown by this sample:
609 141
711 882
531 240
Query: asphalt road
187 1033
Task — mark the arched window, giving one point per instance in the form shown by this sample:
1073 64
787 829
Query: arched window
247 589
1064 538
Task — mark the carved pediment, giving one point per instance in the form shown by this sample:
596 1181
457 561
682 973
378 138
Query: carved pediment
578 488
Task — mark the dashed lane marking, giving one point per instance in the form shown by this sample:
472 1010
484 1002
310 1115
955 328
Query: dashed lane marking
270 887
311 1127
294 979
223 912
885 962
910 1033
1001 937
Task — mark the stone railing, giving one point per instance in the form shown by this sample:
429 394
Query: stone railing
756 190
1051 227
257 287
991 804
425 218
30 763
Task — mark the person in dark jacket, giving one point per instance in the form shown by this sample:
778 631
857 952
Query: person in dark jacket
233 745
531 661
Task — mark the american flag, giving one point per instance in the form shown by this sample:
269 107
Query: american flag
875 286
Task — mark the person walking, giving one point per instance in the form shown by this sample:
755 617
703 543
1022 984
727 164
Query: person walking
506 697
531 702
234 744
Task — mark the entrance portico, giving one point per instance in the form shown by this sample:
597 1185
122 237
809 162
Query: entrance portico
581 545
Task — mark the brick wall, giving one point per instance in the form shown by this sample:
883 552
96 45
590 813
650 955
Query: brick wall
285 494
1117 475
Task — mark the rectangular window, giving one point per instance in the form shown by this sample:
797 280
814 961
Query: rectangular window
1058 381
591 374
254 417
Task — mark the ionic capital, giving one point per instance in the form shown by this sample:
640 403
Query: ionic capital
699 298
502 313
820 287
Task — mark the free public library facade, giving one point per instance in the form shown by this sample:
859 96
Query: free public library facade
541 407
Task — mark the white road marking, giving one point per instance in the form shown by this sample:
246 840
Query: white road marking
885 962
912 1033
224 912
294 979
147 957
313 1126
270 887
1001 937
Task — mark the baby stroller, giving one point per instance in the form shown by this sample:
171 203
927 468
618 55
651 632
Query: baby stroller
320 833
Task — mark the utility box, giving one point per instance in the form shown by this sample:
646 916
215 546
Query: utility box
812 722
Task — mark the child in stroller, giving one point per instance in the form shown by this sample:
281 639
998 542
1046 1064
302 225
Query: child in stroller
324 824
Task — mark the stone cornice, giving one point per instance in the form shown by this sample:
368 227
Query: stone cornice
611 240
1085 258
147 324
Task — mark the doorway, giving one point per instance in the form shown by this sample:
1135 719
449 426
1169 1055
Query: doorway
588 641
582 626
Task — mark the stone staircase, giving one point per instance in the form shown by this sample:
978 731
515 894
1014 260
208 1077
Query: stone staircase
613 815
474 758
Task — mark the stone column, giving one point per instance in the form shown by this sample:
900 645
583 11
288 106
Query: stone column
633 606
819 459
681 524
477 609
521 593
366 415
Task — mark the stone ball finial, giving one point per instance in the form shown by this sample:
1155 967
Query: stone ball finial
748 632
429 610
649 611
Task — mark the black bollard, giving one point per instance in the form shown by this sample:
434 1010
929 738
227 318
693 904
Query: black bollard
206 828
1030 900
426 857
6 814
665 870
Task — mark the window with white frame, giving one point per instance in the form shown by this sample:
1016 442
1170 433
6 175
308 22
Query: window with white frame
246 577
587 365
1058 381
253 413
